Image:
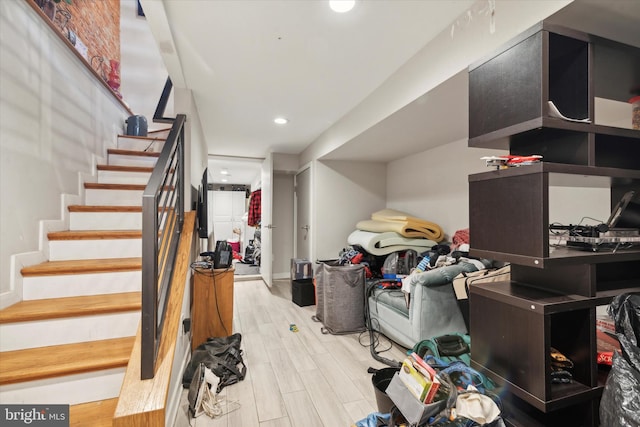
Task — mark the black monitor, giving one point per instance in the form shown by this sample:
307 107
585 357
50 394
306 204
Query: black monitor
202 209
626 213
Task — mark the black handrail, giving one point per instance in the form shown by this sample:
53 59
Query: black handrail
162 219
158 115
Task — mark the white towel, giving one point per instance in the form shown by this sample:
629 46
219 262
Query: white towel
388 242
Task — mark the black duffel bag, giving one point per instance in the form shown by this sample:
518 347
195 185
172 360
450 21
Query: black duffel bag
223 356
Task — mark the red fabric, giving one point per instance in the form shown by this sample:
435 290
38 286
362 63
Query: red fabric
255 209
460 237
235 246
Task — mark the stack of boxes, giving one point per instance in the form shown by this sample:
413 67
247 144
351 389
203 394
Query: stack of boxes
302 289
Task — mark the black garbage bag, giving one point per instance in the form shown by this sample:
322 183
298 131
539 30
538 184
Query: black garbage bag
223 356
620 404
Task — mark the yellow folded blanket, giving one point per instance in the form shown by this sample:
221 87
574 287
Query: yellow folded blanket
401 223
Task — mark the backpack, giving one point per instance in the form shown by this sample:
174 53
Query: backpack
448 348
223 356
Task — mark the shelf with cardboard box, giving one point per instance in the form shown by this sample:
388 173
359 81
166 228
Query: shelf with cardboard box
546 93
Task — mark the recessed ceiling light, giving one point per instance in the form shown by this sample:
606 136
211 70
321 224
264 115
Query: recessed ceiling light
341 6
224 180
224 172
280 121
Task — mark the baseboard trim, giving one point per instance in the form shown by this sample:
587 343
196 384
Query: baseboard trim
18 262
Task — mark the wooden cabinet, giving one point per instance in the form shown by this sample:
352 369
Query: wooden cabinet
212 305
554 290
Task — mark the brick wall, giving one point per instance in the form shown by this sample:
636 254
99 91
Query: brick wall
96 23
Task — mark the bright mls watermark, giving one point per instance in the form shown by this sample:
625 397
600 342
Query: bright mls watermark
34 415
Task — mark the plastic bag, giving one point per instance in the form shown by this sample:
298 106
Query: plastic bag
620 404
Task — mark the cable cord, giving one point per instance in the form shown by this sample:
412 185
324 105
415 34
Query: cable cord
215 296
372 339
216 406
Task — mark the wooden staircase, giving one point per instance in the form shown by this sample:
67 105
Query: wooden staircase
69 340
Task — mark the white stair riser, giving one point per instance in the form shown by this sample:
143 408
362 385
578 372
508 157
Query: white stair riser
63 250
105 221
61 286
117 177
42 333
100 197
131 160
141 144
70 389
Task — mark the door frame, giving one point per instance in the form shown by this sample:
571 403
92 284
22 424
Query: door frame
296 229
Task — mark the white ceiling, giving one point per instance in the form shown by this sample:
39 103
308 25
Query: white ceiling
240 170
248 61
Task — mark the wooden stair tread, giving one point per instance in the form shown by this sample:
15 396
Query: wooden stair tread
56 308
95 235
83 266
93 414
100 208
119 168
148 138
105 186
53 361
140 153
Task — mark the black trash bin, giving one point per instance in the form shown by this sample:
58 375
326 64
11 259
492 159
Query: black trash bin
381 379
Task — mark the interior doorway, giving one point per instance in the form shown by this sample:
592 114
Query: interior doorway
303 230
232 182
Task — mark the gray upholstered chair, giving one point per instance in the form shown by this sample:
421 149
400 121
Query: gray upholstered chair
433 308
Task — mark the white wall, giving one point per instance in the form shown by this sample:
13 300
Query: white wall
54 118
195 149
182 352
142 71
433 185
344 193
283 208
285 162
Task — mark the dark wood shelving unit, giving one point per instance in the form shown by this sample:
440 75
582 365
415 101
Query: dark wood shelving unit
554 290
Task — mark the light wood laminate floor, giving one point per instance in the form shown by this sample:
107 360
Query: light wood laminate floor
294 379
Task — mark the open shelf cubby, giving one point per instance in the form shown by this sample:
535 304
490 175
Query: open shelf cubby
588 165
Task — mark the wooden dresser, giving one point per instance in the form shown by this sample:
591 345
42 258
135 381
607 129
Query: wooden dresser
212 305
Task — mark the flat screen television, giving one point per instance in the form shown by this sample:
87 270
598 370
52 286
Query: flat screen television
202 209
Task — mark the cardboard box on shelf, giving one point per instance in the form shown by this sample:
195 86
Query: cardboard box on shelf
301 269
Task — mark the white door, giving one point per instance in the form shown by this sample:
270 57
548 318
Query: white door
222 214
303 214
266 256
227 208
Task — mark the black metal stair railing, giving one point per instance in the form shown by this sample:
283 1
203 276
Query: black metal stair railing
162 218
